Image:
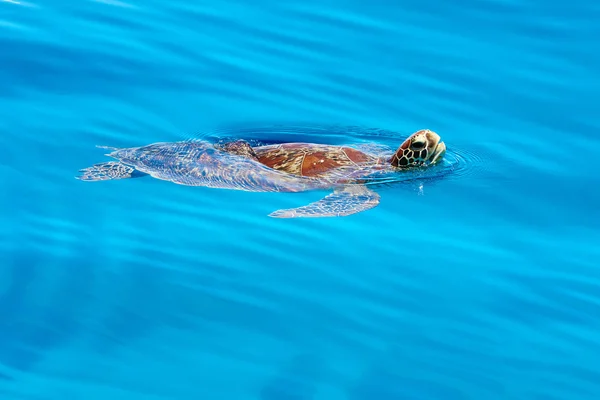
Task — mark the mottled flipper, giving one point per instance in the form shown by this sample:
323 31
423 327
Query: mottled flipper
109 170
351 199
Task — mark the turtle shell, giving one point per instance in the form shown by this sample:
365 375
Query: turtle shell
313 160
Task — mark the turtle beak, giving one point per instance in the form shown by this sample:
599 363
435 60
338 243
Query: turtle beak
438 152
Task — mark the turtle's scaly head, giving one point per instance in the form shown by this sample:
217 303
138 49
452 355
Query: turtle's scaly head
423 147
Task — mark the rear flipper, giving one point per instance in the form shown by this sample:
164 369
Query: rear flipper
342 202
109 170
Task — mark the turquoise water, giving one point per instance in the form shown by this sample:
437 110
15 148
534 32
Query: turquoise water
480 284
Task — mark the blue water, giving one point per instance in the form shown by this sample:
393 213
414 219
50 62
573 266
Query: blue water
483 284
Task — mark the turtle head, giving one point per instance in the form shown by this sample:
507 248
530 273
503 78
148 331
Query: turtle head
423 147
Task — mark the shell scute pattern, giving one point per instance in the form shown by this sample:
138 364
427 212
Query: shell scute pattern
310 160
357 157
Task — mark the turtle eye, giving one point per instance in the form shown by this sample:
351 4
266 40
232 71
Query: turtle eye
417 145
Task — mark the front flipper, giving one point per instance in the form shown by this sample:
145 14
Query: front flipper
351 199
109 170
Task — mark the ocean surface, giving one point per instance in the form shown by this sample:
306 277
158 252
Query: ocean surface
482 282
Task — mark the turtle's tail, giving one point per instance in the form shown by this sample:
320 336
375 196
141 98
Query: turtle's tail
107 171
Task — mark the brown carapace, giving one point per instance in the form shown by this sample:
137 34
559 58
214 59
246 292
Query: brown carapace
312 160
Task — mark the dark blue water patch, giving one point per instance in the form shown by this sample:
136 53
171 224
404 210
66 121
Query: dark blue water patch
126 19
297 380
546 397
128 318
143 298
14 305
23 272
286 44
70 70
385 384
214 305
34 326
531 309
5 377
573 380
138 304
542 299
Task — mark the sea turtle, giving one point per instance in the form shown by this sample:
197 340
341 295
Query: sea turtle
287 167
